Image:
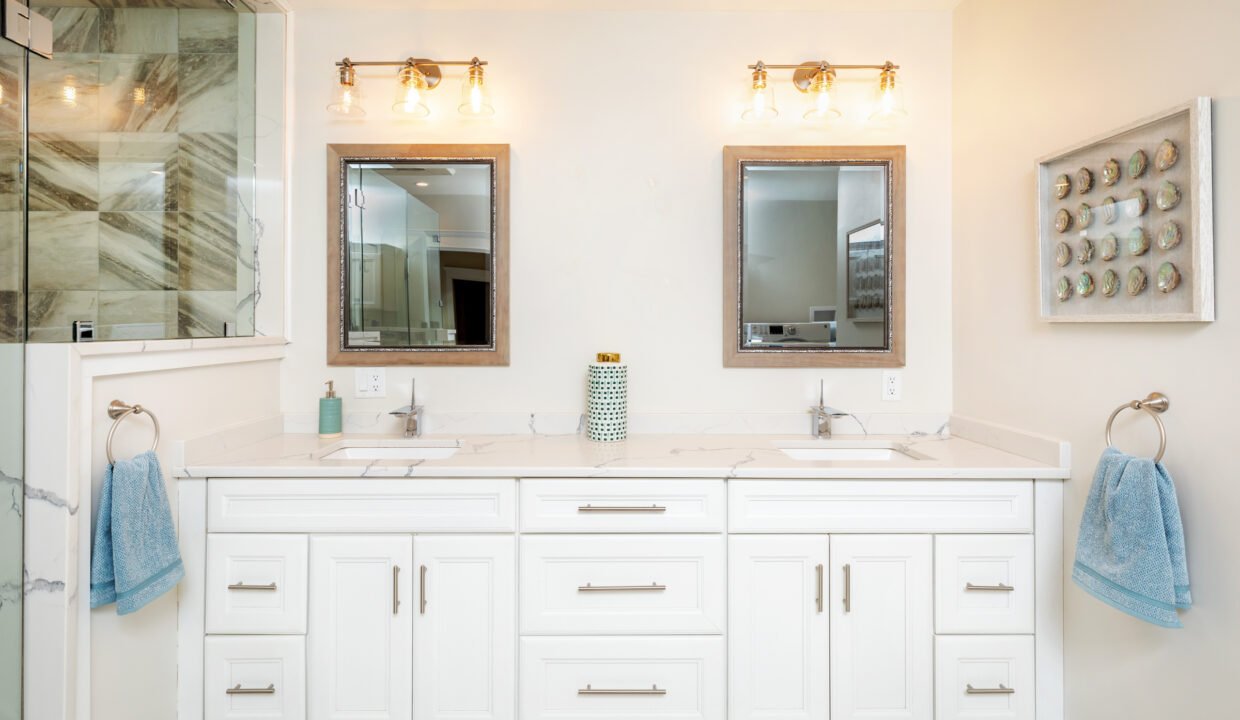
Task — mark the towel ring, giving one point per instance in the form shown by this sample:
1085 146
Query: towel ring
1155 404
118 411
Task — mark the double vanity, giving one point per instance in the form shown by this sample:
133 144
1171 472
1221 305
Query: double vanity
688 577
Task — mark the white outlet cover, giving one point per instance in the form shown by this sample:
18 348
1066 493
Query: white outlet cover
370 382
893 385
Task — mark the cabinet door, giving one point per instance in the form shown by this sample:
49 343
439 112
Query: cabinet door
882 636
465 630
778 627
360 631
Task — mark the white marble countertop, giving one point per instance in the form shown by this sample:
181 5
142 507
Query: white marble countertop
641 456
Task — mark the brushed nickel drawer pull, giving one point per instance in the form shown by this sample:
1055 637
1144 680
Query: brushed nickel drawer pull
621 508
244 586
238 690
847 587
1001 690
818 596
992 588
654 690
621 588
422 590
395 589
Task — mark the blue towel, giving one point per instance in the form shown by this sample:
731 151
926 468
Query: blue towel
1130 553
135 557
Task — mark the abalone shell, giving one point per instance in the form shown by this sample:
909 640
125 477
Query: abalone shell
1107 208
1170 235
1086 253
1063 254
1063 289
1063 186
1137 203
1137 163
1084 180
1110 283
1084 215
1136 281
1168 196
1138 241
1110 172
1085 285
1063 220
1168 277
1166 155
1110 247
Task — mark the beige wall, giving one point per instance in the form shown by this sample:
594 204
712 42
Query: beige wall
1030 78
617 122
133 663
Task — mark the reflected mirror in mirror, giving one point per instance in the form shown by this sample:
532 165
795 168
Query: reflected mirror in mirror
812 252
419 248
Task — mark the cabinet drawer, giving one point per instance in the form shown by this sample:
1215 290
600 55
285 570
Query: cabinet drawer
984 678
255 677
622 584
844 506
613 678
361 505
984 584
256 584
585 506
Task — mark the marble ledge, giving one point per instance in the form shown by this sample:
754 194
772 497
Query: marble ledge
641 456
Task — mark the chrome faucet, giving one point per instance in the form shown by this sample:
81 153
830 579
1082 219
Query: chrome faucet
412 413
820 426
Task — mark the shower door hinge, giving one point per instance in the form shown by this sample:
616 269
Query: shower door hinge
27 28
83 331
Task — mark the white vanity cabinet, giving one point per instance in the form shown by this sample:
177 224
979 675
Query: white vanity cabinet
621 598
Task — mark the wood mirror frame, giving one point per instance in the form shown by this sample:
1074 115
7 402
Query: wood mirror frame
338 157
734 354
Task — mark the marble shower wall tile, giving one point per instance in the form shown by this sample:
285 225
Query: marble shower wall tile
137 251
137 30
207 31
64 250
137 314
64 94
207 172
11 190
202 313
51 314
207 87
207 251
138 171
138 93
12 242
74 29
12 87
64 171
12 328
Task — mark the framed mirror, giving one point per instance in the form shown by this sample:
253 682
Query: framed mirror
417 256
813 256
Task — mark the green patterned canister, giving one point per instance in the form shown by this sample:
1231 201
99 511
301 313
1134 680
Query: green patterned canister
607 418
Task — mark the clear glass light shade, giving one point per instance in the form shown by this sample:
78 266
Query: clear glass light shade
346 100
410 93
475 98
821 107
761 105
888 100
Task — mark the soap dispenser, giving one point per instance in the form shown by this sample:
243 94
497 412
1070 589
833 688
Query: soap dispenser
330 414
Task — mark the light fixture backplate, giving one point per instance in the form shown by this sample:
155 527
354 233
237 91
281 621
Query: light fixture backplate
803 77
430 71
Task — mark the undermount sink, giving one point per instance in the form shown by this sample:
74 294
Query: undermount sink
854 451
393 450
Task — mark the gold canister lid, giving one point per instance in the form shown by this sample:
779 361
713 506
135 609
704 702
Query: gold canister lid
608 357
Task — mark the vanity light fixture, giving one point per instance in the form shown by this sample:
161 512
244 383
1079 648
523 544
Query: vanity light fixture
816 80
415 78
346 100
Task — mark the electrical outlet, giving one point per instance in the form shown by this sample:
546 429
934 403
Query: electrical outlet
370 383
892 385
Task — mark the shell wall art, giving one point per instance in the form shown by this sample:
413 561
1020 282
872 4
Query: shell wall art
1125 223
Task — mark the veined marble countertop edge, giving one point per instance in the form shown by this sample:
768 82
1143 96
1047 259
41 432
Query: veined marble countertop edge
740 457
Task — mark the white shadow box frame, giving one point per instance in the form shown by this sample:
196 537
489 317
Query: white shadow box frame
1186 125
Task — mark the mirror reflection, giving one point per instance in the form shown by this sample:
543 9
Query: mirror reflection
420 254
815 260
